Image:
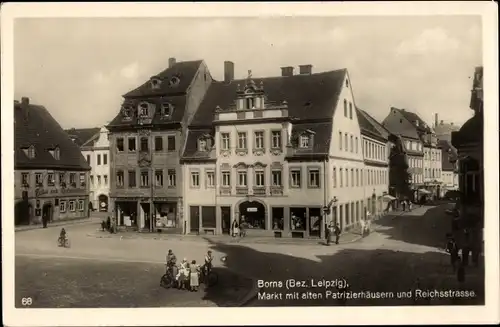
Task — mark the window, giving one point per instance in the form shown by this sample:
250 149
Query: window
352 143
242 140
72 178
98 159
259 140
276 139
174 81
242 178
346 139
304 141
225 141
195 179
132 179
350 110
202 145
25 179
357 177
81 205
259 178
345 108
167 109
131 144
210 179
119 178
341 175
172 179
144 144
88 159
50 179
38 179
82 179
226 178
144 178
356 144
249 103
72 205
62 179
99 179
159 177
276 177
295 178
62 206
105 159
158 143
30 152
143 110
334 177
347 177
119 144
171 143
314 177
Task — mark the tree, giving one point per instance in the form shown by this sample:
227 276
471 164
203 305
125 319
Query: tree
399 175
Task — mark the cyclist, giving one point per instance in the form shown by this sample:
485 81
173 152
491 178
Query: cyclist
171 260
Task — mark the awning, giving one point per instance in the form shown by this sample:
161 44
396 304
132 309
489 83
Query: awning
423 191
388 197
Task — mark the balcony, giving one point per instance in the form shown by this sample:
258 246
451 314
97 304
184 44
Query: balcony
259 190
276 190
241 190
225 190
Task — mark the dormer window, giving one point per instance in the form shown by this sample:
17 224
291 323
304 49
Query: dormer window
155 83
250 102
304 141
30 152
144 109
56 153
174 81
167 109
204 143
127 111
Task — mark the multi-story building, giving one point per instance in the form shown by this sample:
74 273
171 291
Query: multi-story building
94 145
376 149
404 130
145 141
51 175
283 153
449 159
443 130
469 143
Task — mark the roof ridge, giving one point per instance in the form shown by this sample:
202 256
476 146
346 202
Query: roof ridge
279 77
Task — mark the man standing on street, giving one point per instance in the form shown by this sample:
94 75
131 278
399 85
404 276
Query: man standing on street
337 233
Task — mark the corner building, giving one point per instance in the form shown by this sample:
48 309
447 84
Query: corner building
145 140
266 150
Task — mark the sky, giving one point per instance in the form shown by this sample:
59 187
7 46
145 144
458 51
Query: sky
79 68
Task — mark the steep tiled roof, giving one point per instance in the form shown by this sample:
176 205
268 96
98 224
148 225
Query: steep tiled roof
184 70
191 149
412 118
178 103
34 126
370 127
401 126
448 155
82 135
309 98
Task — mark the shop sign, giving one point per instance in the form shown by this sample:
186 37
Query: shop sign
72 190
252 210
40 191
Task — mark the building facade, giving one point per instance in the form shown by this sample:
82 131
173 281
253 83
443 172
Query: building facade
443 130
94 145
51 175
283 154
145 141
449 162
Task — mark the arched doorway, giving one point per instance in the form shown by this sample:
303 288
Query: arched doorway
103 202
47 212
253 213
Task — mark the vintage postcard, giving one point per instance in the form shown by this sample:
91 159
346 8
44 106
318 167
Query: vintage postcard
200 163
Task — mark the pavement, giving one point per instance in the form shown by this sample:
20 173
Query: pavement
401 248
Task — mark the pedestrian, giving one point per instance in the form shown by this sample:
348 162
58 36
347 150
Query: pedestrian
194 276
466 248
403 205
337 232
44 220
452 249
409 205
108 223
235 228
363 227
330 231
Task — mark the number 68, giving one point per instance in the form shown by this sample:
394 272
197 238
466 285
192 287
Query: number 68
26 301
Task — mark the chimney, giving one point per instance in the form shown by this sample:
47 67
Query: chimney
171 62
287 71
228 71
305 69
25 100
436 120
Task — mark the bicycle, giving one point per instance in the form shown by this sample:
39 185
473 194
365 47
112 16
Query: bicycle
209 280
168 279
63 242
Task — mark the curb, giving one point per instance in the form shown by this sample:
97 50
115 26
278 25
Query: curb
56 224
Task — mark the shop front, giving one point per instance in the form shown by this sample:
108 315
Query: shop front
166 214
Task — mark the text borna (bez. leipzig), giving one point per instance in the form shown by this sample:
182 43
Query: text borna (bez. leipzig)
303 283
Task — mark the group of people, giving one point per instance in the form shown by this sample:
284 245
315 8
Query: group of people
238 229
187 275
406 205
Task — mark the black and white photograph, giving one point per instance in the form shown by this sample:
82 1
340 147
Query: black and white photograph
324 159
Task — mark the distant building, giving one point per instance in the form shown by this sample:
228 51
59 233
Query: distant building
51 175
449 158
94 145
443 130
424 156
146 139
283 154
